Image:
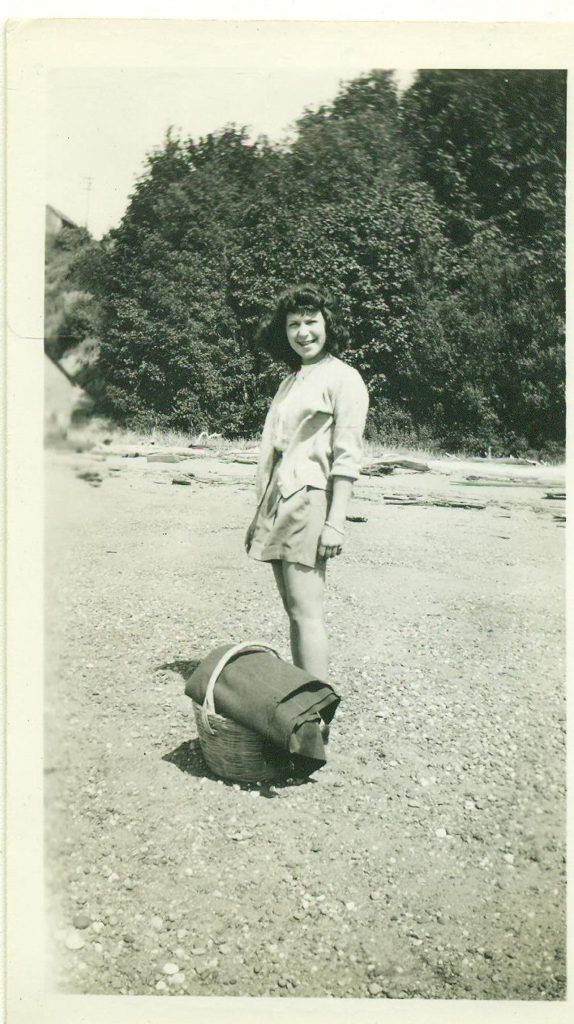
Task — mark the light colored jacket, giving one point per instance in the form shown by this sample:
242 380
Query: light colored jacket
316 421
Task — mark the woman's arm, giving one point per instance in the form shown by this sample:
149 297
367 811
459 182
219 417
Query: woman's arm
331 539
351 403
342 490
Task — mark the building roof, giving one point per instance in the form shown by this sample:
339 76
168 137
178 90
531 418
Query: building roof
61 216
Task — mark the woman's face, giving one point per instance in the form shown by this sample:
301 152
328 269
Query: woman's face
306 334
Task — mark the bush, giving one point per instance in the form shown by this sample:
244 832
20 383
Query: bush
437 222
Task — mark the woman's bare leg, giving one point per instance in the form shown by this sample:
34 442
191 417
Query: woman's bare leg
304 592
279 582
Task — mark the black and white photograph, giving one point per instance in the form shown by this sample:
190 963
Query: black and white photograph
298 372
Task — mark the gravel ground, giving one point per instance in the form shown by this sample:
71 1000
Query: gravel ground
426 860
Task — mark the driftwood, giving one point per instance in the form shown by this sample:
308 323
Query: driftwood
502 461
188 452
375 470
215 480
386 463
556 495
414 499
175 454
150 451
248 457
165 457
500 481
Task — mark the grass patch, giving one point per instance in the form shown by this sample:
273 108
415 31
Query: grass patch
98 430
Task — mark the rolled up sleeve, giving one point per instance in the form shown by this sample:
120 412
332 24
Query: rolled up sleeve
351 405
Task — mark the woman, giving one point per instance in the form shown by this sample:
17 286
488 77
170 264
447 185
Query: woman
309 459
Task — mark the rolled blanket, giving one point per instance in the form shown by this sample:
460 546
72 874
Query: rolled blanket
284 704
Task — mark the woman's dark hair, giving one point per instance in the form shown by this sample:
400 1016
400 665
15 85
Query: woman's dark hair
300 298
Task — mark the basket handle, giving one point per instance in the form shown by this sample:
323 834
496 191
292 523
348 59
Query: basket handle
208 705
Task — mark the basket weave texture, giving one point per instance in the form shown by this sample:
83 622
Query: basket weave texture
231 750
236 753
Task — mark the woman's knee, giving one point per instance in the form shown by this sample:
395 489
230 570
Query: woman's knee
304 614
304 591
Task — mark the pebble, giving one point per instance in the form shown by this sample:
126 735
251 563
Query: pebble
367 806
81 921
74 940
206 968
157 923
170 968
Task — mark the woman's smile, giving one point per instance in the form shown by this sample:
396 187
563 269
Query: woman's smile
306 334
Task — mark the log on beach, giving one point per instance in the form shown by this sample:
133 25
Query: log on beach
387 463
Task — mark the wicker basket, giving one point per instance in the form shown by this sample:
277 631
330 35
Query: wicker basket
231 750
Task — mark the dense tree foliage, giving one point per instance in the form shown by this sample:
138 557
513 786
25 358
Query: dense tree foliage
492 145
437 220
70 315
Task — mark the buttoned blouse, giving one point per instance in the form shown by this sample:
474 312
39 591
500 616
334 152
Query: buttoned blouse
316 421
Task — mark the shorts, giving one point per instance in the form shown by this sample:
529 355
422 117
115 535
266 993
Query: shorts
288 529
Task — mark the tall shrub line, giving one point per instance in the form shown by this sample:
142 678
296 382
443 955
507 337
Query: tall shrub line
437 219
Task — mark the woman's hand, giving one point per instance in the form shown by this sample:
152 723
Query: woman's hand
330 542
332 534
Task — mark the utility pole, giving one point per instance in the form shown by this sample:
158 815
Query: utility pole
88 182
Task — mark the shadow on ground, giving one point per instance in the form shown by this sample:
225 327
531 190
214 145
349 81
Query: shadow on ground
189 759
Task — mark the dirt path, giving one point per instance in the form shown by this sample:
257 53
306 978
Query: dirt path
425 860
